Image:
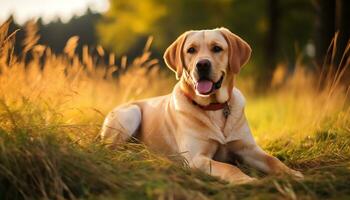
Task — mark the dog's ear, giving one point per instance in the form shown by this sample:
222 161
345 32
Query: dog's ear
173 55
239 50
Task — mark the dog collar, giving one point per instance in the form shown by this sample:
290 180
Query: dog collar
212 106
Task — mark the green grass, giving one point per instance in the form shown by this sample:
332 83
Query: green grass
52 107
38 160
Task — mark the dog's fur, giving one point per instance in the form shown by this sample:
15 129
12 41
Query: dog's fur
175 124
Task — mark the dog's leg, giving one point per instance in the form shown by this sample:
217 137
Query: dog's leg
199 154
254 156
222 170
121 124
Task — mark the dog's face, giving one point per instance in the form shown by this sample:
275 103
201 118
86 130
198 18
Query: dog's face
205 55
208 59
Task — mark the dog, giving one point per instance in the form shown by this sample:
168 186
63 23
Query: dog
203 118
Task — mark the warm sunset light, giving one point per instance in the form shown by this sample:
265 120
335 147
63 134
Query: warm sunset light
48 10
174 99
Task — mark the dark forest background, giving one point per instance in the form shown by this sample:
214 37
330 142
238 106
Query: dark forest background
279 31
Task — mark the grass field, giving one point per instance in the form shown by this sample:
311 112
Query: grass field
52 107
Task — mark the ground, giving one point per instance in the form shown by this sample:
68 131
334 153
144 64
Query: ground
52 107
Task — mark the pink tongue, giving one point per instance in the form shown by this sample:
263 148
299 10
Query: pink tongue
204 86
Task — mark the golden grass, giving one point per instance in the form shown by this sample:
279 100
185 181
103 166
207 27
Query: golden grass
298 109
83 90
304 119
307 102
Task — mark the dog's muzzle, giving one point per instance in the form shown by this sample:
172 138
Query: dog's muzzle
205 86
218 84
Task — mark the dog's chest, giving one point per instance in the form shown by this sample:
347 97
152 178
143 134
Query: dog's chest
225 130
219 120
225 154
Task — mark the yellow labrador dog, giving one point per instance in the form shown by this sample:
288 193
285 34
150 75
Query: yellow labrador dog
203 118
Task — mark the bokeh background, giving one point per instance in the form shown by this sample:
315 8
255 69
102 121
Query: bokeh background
64 64
281 32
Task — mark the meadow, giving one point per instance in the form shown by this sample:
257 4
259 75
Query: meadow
52 107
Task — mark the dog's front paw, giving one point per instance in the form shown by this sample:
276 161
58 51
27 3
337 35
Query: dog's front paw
296 174
246 180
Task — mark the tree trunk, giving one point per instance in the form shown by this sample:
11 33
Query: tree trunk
325 28
343 26
271 45
332 16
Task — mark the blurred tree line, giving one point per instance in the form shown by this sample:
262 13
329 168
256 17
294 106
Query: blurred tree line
56 33
279 31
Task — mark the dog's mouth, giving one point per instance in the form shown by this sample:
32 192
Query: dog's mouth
205 86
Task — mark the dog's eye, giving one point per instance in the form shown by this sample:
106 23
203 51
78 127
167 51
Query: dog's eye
191 50
216 49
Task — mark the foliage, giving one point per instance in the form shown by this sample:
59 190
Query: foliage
52 105
56 33
129 20
127 23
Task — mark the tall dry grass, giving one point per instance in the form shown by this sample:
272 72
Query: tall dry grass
79 90
52 105
304 102
83 90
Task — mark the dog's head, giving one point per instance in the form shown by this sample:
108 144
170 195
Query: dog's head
207 60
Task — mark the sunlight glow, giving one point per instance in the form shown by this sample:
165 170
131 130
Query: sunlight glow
49 10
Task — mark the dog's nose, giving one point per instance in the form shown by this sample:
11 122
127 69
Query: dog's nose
205 63
203 68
